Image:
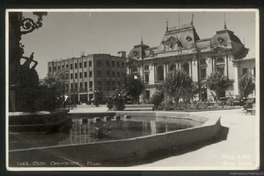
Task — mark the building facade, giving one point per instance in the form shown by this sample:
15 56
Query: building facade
91 76
182 48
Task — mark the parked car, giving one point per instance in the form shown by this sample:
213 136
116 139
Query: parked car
223 101
238 102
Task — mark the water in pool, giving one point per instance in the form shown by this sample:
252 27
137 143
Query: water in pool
83 131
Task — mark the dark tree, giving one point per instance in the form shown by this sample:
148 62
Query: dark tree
133 85
218 82
246 85
179 84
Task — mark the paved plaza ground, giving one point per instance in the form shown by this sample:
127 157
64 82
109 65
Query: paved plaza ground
238 151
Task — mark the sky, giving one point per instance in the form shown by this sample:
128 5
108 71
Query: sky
68 34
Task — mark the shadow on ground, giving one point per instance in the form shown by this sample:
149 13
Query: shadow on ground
23 160
155 156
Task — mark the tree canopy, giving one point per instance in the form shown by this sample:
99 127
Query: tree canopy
58 80
218 82
179 84
133 85
246 85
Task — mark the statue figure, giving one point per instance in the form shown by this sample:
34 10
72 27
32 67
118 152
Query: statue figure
29 76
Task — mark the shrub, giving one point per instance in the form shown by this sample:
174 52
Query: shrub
156 99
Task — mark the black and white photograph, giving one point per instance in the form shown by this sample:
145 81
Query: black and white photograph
132 89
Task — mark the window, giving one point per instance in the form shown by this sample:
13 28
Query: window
81 85
71 85
117 64
62 66
90 63
98 63
80 75
123 64
118 74
85 64
99 74
202 61
203 73
113 73
254 72
71 66
85 74
76 76
54 68
76 86
108 85
71 76
244 71
134 70
221 69
80 65
67 66
49 69
99 85
146 78
220 65
58 67
75 65
220 60
85 85
186 68
90 74
172 67
91 84
107 73
113 63
113 85
146 67
161 73
107 63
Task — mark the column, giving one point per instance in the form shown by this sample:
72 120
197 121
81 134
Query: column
213 64
180 65
164 67
226 66
190 68
78 97
209 69
236 91
155 72
194 69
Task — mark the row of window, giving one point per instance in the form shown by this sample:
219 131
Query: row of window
98 74
99 85
99 63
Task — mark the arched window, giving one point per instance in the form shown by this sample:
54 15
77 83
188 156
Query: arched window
220 65
220 61
172 67
186 68
134 70
161 73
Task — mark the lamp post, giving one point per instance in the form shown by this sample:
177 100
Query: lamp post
136 78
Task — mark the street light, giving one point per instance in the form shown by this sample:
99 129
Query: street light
136 78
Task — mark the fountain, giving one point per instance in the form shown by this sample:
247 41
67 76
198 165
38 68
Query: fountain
31 106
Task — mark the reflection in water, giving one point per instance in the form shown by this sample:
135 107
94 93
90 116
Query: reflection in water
85 131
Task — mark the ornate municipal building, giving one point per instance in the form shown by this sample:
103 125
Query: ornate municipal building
182 48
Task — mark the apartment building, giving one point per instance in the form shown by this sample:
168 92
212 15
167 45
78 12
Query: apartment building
91 76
